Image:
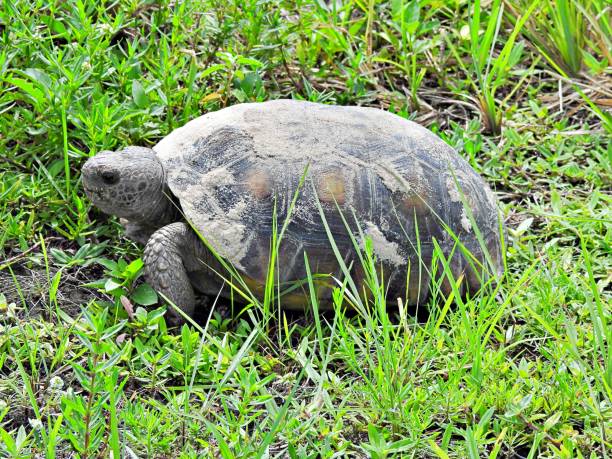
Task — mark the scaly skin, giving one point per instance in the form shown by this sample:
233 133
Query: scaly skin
173 257
164 269
131 184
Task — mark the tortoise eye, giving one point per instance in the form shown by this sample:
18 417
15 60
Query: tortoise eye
110 177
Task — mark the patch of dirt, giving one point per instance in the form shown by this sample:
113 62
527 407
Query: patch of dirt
30 286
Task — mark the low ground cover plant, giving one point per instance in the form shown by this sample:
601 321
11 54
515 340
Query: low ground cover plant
88 367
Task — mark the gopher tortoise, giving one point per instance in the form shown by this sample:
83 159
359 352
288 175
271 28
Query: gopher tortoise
226 174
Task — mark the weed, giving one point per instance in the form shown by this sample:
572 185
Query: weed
521 369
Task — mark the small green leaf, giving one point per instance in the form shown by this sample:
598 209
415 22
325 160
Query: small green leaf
144 295
35 94
132 270
138 94
108 264
109 363
39 77
254 63
113 330
111 284
552 421
524 226
96 284
55 25
211 69
156 314
439 451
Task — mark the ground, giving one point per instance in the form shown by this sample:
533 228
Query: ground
523 369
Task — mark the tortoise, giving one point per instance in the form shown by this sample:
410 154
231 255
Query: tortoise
230 176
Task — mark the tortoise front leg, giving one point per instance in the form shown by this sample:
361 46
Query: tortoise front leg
165 258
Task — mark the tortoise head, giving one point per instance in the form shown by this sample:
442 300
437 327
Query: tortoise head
127 183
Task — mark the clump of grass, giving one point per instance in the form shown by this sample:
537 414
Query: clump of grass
522 370
403 32
564 31
489 71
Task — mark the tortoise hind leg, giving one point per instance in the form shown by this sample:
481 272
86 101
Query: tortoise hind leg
165 258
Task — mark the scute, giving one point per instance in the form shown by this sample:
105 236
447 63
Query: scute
231 168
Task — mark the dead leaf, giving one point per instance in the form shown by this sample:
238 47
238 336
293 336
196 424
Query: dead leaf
127 305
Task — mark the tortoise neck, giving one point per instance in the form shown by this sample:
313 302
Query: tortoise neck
162 210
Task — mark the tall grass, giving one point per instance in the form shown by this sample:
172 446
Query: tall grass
523 368
403 32
569 34
490 69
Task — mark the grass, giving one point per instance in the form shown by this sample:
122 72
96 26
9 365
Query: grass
524 369
570 35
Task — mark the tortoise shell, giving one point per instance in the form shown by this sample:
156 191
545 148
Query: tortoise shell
391 179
